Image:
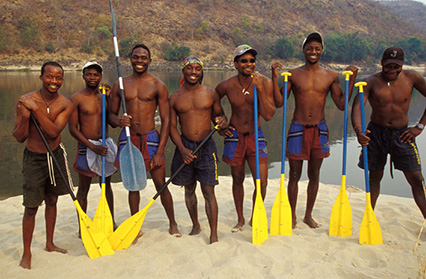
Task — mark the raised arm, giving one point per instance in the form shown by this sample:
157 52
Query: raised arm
114 106
278 93
265 91
21 130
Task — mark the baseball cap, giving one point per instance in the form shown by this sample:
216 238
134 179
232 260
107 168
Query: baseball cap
393 55
241 49
313 36
93 64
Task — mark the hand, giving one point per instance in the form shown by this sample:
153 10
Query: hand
156 161
24 111
99 149
28 102
125 121
187 155
274 69
226 133
362 138
353 69
410 134
221 121
107 88
257 79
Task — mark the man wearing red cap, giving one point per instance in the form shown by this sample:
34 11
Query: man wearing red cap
389 93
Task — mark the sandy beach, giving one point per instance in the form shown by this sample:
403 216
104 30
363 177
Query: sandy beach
308 253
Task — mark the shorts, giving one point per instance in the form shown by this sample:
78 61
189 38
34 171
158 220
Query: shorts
37 180
203 168
241 146
384 141
305 142
147 143
80 164
89 164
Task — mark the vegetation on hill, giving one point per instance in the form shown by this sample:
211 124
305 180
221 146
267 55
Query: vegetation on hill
354 30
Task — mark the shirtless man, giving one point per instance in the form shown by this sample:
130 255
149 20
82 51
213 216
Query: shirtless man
196 106
85 125
52 111
389 94
144 93
240 146
308 134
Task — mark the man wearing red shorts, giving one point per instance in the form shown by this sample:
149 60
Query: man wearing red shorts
308 134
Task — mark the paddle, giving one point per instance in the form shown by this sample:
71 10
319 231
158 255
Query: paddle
103 216
260 220
94 240
370 232
341 214
281 220
132 166
124 235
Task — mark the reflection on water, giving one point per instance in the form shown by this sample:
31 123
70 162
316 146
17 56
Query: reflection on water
14 84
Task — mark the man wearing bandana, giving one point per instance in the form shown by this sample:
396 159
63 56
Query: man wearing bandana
240 144
196 106
389 93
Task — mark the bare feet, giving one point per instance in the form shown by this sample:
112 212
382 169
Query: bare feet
238 227
294 222
25 261
195 230
173 230
310 222
137 237
213 239
54 248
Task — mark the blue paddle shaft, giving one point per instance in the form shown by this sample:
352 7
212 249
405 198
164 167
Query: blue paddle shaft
364 147
103 131
256 132
284 136
345 127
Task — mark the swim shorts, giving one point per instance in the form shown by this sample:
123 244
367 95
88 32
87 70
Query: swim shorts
89 164
203 168
42 177
147 143
241 146
384 141
305 142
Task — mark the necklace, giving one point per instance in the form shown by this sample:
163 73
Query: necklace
245 90
48 105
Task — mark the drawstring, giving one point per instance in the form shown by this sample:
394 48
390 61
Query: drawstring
51 170
66 166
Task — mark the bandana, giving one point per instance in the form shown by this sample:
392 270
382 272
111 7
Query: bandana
189 60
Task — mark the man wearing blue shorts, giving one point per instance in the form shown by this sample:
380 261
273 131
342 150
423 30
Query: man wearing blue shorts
196 106
389 93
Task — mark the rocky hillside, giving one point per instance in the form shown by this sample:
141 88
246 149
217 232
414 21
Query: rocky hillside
72 31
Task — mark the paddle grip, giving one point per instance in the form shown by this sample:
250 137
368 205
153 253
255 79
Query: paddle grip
53 157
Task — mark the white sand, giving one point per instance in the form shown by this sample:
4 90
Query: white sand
308 253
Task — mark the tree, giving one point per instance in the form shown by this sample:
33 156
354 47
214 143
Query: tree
282 48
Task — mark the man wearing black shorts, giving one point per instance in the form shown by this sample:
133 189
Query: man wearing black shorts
42 181
196 106
389 93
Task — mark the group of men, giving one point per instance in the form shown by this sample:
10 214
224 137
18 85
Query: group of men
195 107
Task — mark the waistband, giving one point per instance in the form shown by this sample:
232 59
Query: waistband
308 125
388 128
41 154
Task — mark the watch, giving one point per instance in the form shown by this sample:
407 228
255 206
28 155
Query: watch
420 126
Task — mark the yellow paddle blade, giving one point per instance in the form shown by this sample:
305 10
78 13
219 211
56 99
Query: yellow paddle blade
370 232
260 220
341 214
94 240
281 220
103 216
124 235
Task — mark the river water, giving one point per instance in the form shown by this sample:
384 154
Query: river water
13 84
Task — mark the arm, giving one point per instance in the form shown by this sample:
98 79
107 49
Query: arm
265 93
164 109
356 116
186 154
420 84
21 130
218 116
114 107
278 94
